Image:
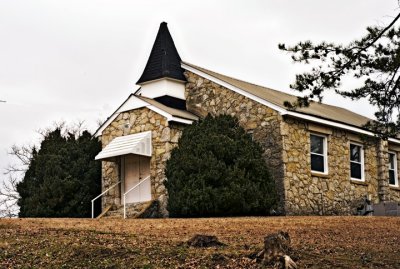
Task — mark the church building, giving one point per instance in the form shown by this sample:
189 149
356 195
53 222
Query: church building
321 157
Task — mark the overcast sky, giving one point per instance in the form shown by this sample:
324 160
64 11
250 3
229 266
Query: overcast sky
78 59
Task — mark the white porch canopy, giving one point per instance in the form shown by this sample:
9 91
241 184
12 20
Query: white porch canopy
139 143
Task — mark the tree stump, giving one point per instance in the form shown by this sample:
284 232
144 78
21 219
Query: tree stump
204 241
276 250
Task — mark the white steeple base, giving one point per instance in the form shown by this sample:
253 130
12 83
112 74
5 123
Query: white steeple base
163 87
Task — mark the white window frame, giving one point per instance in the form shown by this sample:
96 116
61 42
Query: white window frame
325 153
361 161
396 179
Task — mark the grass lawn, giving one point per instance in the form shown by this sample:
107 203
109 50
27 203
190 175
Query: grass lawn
318 242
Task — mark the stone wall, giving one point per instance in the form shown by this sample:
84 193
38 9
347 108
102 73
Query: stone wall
334 193
206 97
394 193
165 136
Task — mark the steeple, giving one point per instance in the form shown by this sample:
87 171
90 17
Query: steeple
164 60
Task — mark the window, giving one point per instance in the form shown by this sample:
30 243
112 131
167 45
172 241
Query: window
356 162
318 153
393 180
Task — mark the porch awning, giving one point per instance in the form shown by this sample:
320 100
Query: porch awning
129 144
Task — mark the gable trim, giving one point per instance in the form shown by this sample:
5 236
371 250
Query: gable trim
279 109
169 116
122 108
336 124
176 119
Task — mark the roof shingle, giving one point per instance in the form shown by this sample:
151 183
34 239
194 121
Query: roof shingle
164 60
277 98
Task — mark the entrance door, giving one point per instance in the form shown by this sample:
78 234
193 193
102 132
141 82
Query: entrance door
137 168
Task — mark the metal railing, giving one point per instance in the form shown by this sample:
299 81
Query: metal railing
98 196
134 187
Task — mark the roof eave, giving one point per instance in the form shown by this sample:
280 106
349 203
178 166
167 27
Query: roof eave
167 115
159 79
281 110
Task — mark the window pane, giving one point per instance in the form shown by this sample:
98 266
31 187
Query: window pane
391 160
355 153
317 163
391 177
355 170
317 144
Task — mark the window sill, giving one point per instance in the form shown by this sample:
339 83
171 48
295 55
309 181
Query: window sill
358 182
392 187
317 174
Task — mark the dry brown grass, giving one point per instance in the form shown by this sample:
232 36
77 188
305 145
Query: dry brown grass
318 242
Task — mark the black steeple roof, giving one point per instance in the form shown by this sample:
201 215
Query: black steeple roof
164 60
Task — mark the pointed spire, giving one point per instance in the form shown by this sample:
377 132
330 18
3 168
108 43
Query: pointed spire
164 60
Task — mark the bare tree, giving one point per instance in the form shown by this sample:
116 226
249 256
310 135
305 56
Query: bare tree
9 198
76 128
14 172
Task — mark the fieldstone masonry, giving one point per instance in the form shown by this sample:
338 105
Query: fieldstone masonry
165 136
382 162
331 194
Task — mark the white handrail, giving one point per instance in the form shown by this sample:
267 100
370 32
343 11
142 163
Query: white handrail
98 196
134 187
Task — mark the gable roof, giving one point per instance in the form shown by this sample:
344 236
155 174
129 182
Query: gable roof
317 112
277 98
173 111
164 60
135 101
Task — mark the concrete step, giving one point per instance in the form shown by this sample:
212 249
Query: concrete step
133 210
104 212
